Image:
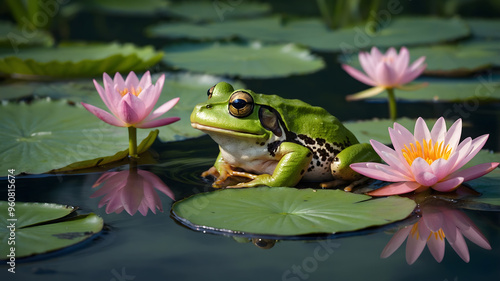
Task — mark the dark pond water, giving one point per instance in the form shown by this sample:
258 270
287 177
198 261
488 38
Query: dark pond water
155 247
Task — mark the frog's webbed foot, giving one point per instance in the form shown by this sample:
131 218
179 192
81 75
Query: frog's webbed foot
339 182
224 173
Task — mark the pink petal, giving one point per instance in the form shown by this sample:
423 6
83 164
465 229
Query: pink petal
164 108
396 241
417 64
367 64
448 185
377 171
460 246
414 248
358 75
475 171
438 132
470 230
441 167
104 115
436 247
157 183
385 75
453 135
131 109
132 81
399 137
395 189
432 217
391 158
402 61
149 97
411 74
423 173
119 83
476 144
133 193
421 131
375 54
145 80
157 123
463 149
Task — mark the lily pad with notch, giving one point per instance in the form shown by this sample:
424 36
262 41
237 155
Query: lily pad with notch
45 135
288 211
42 228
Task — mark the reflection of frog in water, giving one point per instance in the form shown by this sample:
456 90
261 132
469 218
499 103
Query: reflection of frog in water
277 142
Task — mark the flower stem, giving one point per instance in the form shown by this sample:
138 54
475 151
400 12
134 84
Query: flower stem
132 142
392 104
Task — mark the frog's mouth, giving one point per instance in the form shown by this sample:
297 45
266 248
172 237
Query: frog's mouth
226 131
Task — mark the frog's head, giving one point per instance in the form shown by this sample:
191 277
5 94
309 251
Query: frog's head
236 113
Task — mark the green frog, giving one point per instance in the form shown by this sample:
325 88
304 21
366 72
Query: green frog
273 141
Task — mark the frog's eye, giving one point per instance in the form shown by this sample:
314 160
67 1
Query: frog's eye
241 104
210 91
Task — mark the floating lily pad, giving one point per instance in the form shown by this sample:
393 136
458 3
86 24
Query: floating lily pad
485 28
457 60
314 33
41 228
191 88
288 211
45 135
218 10
378 129
13 37
77 60
253 60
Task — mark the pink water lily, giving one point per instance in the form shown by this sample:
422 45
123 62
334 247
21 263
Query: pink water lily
385 71
131 190
437 224
425 159
131 101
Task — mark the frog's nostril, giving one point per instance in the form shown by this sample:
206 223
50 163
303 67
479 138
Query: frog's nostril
208 106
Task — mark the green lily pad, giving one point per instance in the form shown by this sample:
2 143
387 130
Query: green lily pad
485 28
314 34
218 10
42 228
13 37
457 60
45 135
191 88
288 211
253 60
77 60
483 88
378 129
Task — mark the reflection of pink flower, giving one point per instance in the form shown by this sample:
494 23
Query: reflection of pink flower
131 101
131 191
383 71
425 159
437 224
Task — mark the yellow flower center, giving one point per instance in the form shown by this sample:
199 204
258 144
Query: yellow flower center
429 151
133 91
436 234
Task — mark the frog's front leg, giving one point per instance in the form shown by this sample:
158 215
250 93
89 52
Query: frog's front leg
221 171
342 173
293 158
